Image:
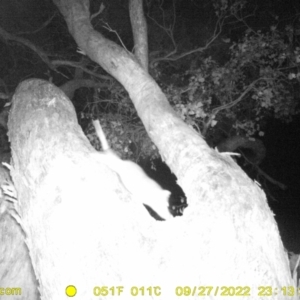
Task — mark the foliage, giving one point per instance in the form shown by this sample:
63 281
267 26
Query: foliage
260 80
120 123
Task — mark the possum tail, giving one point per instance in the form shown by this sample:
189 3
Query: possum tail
101 135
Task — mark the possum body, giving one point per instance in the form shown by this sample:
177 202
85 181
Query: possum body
134 179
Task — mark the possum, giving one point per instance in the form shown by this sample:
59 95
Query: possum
134 179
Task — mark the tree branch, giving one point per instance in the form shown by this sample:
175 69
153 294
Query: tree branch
42 54
140 32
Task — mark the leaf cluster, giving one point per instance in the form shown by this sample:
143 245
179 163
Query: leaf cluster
260 80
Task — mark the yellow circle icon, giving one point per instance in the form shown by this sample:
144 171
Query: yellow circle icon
71 290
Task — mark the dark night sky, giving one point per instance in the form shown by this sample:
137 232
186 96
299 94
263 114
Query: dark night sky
283 164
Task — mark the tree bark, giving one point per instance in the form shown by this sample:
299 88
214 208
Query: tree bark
83 229
16 273
75 213
140 33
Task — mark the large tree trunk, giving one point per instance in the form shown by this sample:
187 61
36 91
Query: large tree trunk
79 221
81 226
16 274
